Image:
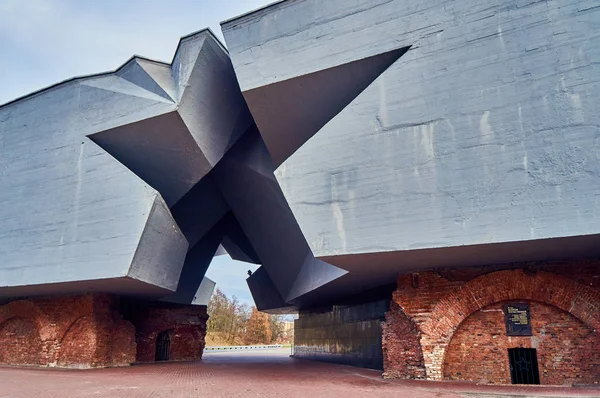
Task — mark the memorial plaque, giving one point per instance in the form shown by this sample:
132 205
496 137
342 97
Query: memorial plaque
516 317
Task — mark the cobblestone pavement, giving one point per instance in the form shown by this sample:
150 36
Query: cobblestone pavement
245 374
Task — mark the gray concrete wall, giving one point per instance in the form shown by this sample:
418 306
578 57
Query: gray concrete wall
68 210
91 168
487 130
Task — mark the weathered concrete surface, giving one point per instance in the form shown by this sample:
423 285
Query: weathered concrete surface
485 131
207 175
290 112
60 193
442 134
245 177
205 290
91 168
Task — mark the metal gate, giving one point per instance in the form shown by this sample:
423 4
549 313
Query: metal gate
163 342
523 366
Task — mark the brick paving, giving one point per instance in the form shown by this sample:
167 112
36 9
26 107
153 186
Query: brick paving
266 373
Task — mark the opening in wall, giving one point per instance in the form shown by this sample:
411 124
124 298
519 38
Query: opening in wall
163 342
523 366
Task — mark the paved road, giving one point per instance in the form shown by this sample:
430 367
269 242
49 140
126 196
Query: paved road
267 373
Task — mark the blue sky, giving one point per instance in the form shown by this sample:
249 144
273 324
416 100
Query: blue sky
230 276
43 42
46 41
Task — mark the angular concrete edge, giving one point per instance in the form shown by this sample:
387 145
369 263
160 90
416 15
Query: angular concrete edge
205 291
159 150
265 294
122 286
216 118
161 250
197 261
206 31
314 274
290 112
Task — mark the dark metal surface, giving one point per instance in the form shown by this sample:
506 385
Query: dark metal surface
348 334
163 343
523 366
517 319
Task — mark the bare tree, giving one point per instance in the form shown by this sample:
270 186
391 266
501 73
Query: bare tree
258 328
276 323
228 318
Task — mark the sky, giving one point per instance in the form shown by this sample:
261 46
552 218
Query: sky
43 42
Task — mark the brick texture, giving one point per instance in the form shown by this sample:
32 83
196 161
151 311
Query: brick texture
90 331
72 331
439 304
79 344
185 324
402 355
568 351
20 342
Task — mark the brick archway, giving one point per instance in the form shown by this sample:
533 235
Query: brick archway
456 306
79 343
20 342
27 310
42 330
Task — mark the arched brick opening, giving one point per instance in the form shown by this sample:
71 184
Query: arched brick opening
568 351
78 345
27 310
445 318
20 342
402 354
27 336
187 323
70 331
162 345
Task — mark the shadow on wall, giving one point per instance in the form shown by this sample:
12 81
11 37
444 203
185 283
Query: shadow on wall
89 331
166 331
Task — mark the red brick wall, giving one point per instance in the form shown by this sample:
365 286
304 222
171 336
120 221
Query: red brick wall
20 342
187 343
568 351
89 331
122 350
71 331
186 325
78 345
32 328
402 355
438 304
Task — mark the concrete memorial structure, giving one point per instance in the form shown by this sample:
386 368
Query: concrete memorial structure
450 150
107 192
404 173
